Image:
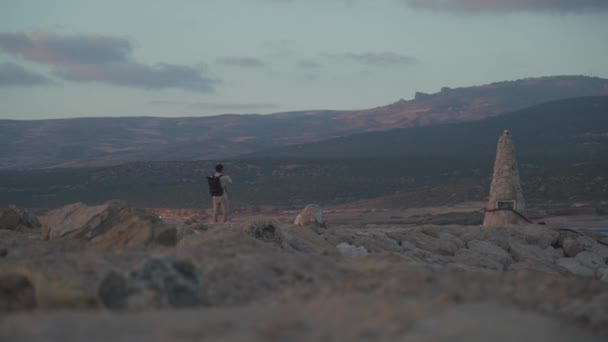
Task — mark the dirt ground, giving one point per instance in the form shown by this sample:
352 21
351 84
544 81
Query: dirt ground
301 289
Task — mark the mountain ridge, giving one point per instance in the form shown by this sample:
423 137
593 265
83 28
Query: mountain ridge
104 141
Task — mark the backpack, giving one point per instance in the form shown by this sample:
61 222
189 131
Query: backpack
215 186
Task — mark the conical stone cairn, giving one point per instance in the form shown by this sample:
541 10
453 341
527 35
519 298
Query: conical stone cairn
506 204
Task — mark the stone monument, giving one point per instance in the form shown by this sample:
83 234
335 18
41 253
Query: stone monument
506 204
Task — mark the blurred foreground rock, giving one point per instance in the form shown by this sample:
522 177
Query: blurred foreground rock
13 218
160 283
16 293
112 225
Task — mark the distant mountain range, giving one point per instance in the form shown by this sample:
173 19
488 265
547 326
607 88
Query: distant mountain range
571 129
91 142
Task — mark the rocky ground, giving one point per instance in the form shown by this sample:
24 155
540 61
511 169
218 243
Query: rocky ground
117 273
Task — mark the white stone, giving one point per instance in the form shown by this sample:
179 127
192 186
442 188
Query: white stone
350 250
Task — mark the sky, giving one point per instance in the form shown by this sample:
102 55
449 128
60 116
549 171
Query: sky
82 58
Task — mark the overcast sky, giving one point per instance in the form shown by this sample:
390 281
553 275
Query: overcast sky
74 58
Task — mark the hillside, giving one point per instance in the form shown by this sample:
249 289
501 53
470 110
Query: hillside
569 129
92 142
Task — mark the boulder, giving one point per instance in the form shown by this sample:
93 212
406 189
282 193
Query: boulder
477 259
572 247
135 233
306 241
13 218
574 266
587 242
160 283
112 225
453 239
349 250
591 260
312 214
490 251
553 253
263 230
600 250
16 293
540 236
523 252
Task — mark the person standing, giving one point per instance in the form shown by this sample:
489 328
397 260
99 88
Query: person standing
218 187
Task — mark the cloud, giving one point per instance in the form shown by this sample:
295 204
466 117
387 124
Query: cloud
509 5
246 62
381 59
101 59
308 64
132 74
14 75
52 49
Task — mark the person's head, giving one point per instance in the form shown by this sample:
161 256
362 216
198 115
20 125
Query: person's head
219 168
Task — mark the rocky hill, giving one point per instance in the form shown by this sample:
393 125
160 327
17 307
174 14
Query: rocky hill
89 142
568 129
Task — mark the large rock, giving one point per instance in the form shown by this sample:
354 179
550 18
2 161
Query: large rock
16 293
306 241
13 218
135 232
490 250
600 250
540 236
312 214
113 224
574 266
453 239
572 246
477 259
522 252
591 260
160 283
